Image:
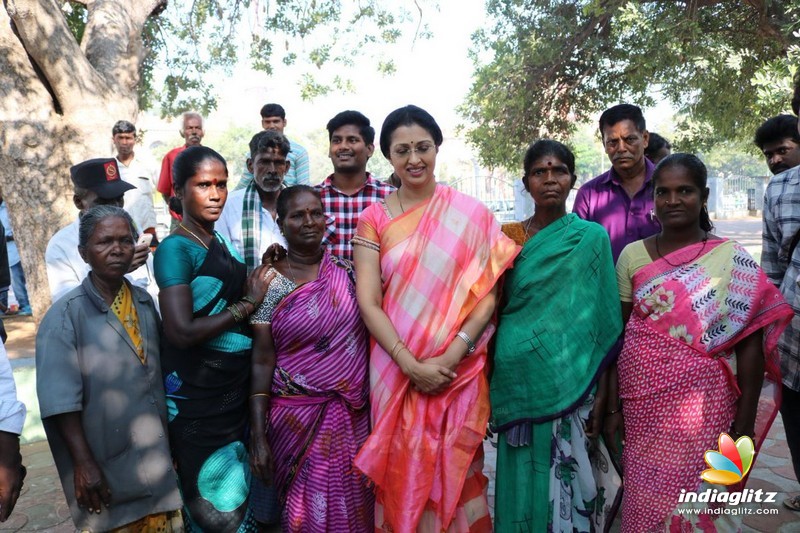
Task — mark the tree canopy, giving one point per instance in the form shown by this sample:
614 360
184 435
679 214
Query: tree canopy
191 40
545 65
69 69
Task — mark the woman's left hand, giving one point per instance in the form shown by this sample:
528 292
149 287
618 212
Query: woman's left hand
449 359
429 377
258 282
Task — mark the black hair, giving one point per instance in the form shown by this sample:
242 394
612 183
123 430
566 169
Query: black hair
656 143
273 110
776 129
621 112
90 218
352 118
185 166
189 160
796 95
282 206
263 140
123 126
545 147
696 170
408 116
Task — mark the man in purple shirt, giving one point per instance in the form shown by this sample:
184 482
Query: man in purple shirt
621 200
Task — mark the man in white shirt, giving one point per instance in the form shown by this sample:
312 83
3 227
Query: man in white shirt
134 170
96 182
248 219
12 418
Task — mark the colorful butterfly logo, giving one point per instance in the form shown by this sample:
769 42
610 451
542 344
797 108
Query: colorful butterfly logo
731 463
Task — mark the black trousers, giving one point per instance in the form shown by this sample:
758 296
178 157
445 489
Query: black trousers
790 412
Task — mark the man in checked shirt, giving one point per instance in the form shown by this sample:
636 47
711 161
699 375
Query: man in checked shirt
780 259
350 189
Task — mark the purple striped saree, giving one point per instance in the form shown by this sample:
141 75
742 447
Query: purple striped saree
319 415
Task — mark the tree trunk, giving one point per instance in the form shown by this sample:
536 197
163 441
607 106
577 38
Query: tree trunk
57 108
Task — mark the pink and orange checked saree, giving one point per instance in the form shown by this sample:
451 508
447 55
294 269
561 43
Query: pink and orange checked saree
424 454
677 375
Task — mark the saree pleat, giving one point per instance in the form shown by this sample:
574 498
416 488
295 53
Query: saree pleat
424 453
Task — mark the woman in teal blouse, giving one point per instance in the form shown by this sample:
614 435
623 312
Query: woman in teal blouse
206 298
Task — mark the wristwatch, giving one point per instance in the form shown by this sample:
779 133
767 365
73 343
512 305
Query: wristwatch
470 345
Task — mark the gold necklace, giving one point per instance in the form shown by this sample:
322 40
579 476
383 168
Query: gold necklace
193 234
528 226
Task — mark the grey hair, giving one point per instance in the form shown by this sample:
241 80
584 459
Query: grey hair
92 216
190 114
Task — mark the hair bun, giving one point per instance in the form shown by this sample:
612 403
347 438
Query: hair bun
175 205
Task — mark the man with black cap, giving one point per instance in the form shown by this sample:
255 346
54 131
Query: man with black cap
95 182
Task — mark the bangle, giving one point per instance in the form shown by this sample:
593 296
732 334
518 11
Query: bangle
249 299
234 313
464 337
243 309
237 316
255 394
395 351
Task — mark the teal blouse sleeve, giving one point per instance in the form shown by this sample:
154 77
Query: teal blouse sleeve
177 261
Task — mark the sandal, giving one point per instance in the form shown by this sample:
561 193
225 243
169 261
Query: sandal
793 503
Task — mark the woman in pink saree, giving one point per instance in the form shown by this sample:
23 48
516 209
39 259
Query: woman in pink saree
428 259
309 385
699 357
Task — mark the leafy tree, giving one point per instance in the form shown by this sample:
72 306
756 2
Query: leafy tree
70 69
545 65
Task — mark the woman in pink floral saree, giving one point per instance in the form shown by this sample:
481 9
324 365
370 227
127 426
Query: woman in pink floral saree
699 357
428 259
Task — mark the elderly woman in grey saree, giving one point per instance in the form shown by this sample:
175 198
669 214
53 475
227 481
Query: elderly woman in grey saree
558 320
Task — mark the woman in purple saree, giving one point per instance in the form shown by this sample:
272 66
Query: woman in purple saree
310 386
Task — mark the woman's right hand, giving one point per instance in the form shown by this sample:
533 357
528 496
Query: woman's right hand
258 281
261 457
430 378
91 488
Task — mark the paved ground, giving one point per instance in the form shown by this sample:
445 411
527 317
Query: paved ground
41 506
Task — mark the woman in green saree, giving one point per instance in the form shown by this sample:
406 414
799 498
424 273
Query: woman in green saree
559 320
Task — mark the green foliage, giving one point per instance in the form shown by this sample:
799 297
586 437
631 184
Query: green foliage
76 16
197 43
546 65
734 158
232 144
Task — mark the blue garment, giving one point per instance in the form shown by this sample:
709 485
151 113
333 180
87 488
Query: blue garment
15 266
206 387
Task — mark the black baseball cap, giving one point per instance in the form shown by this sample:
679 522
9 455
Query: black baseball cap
100 176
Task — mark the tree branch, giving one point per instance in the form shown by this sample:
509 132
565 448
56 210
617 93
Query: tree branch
112 39
43 30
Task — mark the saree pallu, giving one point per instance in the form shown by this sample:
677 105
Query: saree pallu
677 374
206 387
424 455
559 318
318 418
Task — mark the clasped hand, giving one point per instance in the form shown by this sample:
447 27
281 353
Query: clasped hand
434 375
